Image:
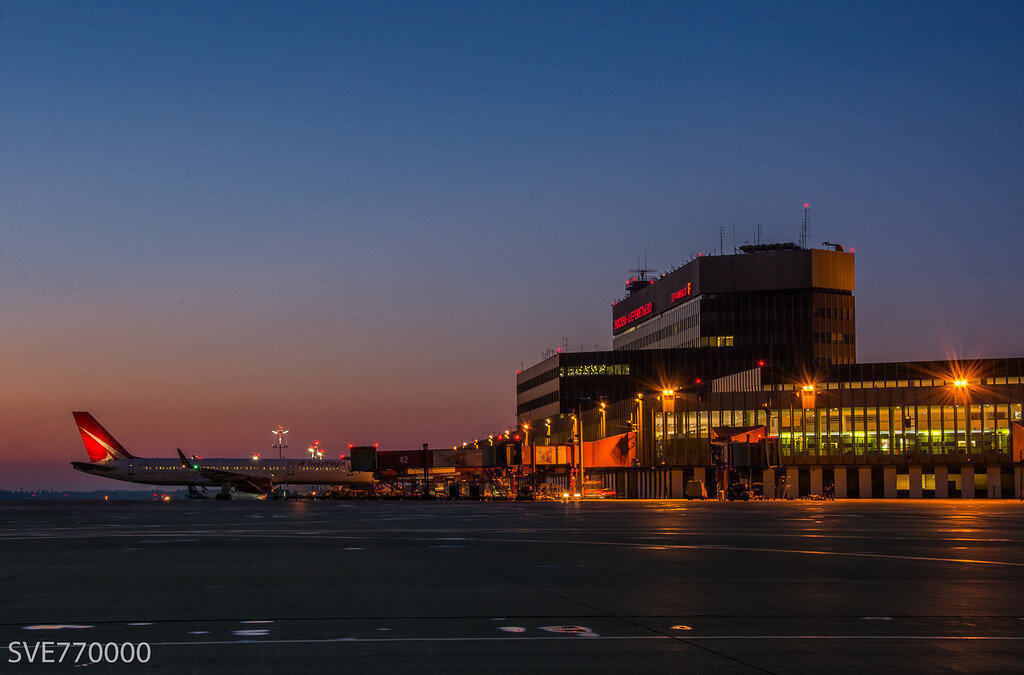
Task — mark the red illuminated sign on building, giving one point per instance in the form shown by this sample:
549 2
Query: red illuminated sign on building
637 313
682 292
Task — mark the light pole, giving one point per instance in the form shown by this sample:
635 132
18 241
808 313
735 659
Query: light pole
668 407
604 429
280 431
580 462
577 442
639 426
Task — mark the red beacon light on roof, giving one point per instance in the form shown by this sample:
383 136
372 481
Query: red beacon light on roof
760 364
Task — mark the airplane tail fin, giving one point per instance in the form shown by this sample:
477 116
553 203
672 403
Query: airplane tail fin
100 445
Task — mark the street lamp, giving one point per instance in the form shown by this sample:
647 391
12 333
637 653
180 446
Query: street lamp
604 429
668 411
639 425
280 431
577 433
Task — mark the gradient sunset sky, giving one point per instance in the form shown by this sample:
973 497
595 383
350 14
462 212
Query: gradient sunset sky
359 219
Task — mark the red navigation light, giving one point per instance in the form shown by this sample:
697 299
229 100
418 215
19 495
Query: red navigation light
518 371
697 381
559 350
851 249
807 206
351 445
760 364
376 445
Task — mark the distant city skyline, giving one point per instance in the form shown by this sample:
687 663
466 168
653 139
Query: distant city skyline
359 219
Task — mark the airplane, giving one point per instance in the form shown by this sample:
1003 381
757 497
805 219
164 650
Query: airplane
109 459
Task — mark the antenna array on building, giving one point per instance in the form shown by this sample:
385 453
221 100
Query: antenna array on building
803 228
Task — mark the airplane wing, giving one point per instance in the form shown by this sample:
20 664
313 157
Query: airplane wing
241 481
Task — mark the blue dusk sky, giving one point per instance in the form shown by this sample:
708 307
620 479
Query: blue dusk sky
359 219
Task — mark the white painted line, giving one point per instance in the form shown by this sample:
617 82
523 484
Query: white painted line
414 639
688 638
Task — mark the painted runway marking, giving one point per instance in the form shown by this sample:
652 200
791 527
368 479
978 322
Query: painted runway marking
412 639
55 626
689 638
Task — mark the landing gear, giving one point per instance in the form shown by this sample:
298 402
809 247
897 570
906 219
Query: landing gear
223 495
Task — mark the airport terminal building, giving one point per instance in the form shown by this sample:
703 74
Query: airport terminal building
760 346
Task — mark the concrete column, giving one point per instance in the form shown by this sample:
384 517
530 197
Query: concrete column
967 482
915 482
840 478
768 479
793 478
941 485
865 482
995 483
889 479
817 484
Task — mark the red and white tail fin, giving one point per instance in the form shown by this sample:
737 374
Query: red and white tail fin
100 445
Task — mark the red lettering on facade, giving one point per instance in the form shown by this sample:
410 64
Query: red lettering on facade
682 292
637 313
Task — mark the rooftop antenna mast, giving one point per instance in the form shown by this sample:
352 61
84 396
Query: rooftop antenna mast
640 277
721 239
803 227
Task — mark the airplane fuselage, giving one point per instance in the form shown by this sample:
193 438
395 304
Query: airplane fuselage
160 471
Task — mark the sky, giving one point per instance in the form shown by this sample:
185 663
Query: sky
358 220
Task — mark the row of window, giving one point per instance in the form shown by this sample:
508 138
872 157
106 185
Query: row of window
834 338
833 313
929 429
537 381
538 402
717 341
895 384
